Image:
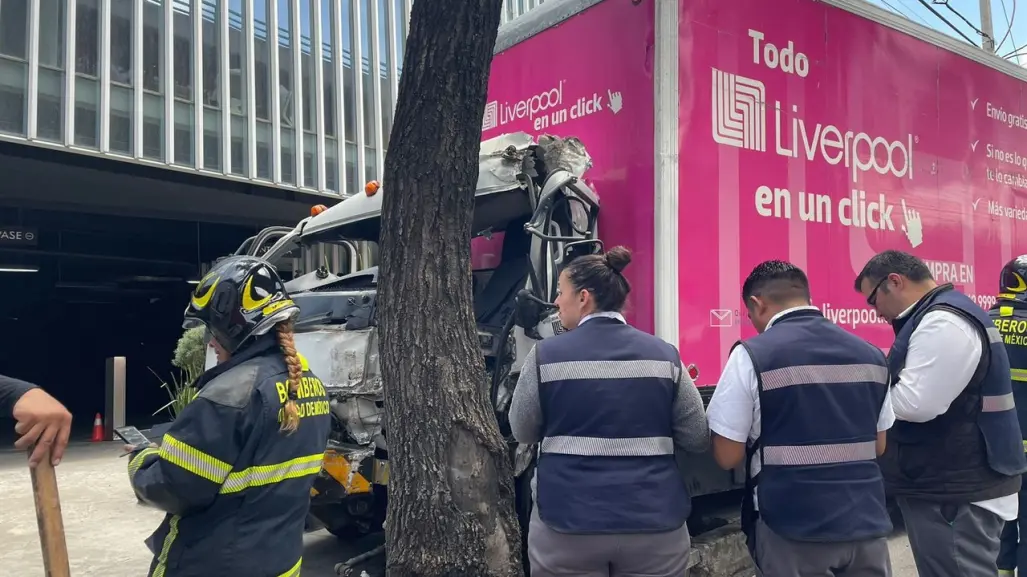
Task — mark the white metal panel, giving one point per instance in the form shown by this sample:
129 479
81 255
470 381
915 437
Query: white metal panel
317 62
340 94
196 19
225 86
357 59
666 102
376 88
393 72
250 87
69 73
276 93
104 76
168 82
138 116
32 88
298 104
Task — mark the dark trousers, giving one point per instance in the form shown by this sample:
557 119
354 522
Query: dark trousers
951 540
1012 553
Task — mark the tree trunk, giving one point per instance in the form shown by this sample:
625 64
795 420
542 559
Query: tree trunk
451 483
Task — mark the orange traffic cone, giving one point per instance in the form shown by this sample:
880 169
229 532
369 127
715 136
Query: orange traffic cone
98 429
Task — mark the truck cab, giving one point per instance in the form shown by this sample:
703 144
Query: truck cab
533 212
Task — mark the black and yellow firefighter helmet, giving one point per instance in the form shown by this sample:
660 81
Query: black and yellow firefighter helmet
241 297
1013 284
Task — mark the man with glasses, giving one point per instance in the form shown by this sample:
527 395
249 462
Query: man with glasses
954 456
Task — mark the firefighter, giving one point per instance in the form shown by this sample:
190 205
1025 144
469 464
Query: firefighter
235 470
1010 316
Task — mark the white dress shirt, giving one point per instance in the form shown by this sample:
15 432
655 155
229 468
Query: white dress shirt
943 355
734 410
603 314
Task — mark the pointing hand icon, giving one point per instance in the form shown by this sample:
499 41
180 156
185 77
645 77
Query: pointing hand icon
914 227
615 101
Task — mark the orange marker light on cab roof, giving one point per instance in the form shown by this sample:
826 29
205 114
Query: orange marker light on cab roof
317 209
371 188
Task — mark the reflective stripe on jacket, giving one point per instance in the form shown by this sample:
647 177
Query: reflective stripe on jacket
607 459
235 487
973 452
1010 318
821 392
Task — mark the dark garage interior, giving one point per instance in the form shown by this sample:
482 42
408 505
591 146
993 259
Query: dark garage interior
114 247
106 286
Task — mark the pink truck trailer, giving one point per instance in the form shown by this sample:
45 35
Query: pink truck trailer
727 132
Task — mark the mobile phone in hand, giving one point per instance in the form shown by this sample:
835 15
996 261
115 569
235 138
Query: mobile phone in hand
132 436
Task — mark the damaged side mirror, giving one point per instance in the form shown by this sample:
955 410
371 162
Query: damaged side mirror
529 311
580 248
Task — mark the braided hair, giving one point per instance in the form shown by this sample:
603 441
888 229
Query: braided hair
285 340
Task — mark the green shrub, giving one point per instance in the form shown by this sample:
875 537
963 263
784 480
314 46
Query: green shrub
190 357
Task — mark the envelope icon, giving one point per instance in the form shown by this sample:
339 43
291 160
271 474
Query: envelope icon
722 317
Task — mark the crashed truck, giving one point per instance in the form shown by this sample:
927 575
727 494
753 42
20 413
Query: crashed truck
533 211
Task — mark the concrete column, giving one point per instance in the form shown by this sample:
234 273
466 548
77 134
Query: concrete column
114 397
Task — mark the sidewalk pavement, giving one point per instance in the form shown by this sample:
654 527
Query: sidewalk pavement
105 527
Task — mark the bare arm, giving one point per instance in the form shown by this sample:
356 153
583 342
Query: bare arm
727 453
732 410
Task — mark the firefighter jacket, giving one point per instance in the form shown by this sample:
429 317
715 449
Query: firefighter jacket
1010 319
236 489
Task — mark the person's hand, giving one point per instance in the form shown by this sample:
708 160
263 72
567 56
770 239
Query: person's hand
44 422
134 448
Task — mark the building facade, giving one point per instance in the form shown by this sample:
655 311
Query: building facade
514 8
195 85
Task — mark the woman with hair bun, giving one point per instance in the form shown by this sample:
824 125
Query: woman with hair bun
608 403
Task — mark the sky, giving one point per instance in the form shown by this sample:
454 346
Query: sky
1009 21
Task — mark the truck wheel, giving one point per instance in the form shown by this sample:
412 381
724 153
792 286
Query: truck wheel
350 532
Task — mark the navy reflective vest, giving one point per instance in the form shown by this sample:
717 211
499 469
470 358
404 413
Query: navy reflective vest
606 462
821 392
973 452
1010 318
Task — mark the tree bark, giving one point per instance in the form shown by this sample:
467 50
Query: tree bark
451 482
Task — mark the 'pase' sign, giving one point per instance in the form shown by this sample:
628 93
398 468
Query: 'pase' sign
18 236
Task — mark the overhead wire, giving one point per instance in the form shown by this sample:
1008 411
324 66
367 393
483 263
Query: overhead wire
1009 21
913 12
1021 51
946 21
968 23
894 9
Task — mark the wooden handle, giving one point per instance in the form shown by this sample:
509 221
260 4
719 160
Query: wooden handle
48 515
